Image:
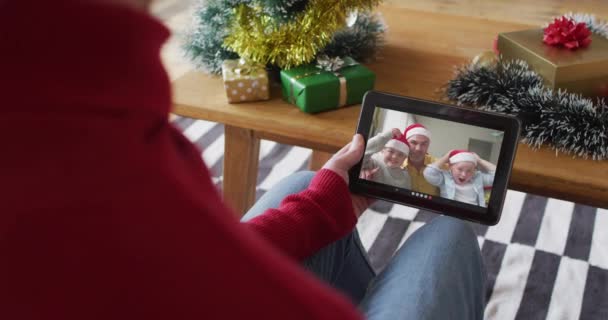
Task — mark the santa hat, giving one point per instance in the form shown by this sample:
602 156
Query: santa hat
416 129
462 156
399 144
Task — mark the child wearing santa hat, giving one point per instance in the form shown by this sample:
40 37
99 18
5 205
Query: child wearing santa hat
465 179
383 157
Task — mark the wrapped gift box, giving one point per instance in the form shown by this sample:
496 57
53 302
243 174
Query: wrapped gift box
314 90
584 70
244 82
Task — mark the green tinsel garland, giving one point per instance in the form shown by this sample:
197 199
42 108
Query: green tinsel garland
565 121
360 41
282 10
204 42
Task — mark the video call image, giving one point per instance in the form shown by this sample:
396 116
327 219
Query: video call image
432 157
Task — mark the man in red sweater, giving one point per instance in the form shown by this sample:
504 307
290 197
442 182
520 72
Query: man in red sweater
108 212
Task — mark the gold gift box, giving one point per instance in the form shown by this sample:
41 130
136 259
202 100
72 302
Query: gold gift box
584 70
244 82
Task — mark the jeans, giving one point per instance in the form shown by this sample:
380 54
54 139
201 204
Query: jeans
437 273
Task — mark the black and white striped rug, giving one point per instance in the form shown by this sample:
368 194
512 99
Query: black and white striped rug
546 259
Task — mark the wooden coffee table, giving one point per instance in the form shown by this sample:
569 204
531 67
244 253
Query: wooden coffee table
419 57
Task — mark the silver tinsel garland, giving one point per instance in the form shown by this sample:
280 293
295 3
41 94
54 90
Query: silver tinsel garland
567 122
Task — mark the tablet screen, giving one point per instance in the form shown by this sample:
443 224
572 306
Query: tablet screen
432 159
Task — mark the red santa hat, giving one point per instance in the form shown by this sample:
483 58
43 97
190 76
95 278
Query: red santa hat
462 156
416 129
399 144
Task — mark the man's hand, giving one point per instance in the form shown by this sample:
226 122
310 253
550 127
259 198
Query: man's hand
345 159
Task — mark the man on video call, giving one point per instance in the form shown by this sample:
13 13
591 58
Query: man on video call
419 138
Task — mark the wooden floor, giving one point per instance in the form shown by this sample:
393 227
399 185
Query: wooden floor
176 14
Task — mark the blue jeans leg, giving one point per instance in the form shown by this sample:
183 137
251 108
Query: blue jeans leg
342 264
437 274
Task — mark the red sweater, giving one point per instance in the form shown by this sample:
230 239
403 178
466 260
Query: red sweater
108 212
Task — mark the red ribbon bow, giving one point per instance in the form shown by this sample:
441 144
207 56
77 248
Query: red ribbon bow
567 33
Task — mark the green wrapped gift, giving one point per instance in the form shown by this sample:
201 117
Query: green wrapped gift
330 84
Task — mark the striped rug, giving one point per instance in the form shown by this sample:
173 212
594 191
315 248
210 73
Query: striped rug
546 259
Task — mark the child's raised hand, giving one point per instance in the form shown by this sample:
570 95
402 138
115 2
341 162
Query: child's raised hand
396 133
447 155
368 174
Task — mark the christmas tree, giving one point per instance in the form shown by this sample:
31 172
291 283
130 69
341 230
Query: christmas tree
282 33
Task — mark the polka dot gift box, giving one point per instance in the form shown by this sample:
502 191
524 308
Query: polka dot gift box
244 81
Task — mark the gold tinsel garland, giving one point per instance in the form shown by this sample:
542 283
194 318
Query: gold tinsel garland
256 37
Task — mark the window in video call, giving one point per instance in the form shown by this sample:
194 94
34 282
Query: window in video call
430 158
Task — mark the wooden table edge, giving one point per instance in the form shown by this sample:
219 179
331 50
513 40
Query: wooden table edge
522 179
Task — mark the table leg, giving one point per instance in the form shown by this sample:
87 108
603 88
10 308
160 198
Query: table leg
318 159
241 154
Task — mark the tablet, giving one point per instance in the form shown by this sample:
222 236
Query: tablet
451 160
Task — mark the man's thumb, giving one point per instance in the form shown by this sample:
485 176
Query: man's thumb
355 151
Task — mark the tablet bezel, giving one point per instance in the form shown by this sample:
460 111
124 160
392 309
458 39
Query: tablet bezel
507 124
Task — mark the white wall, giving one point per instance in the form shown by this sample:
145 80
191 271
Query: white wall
395 119
447 135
